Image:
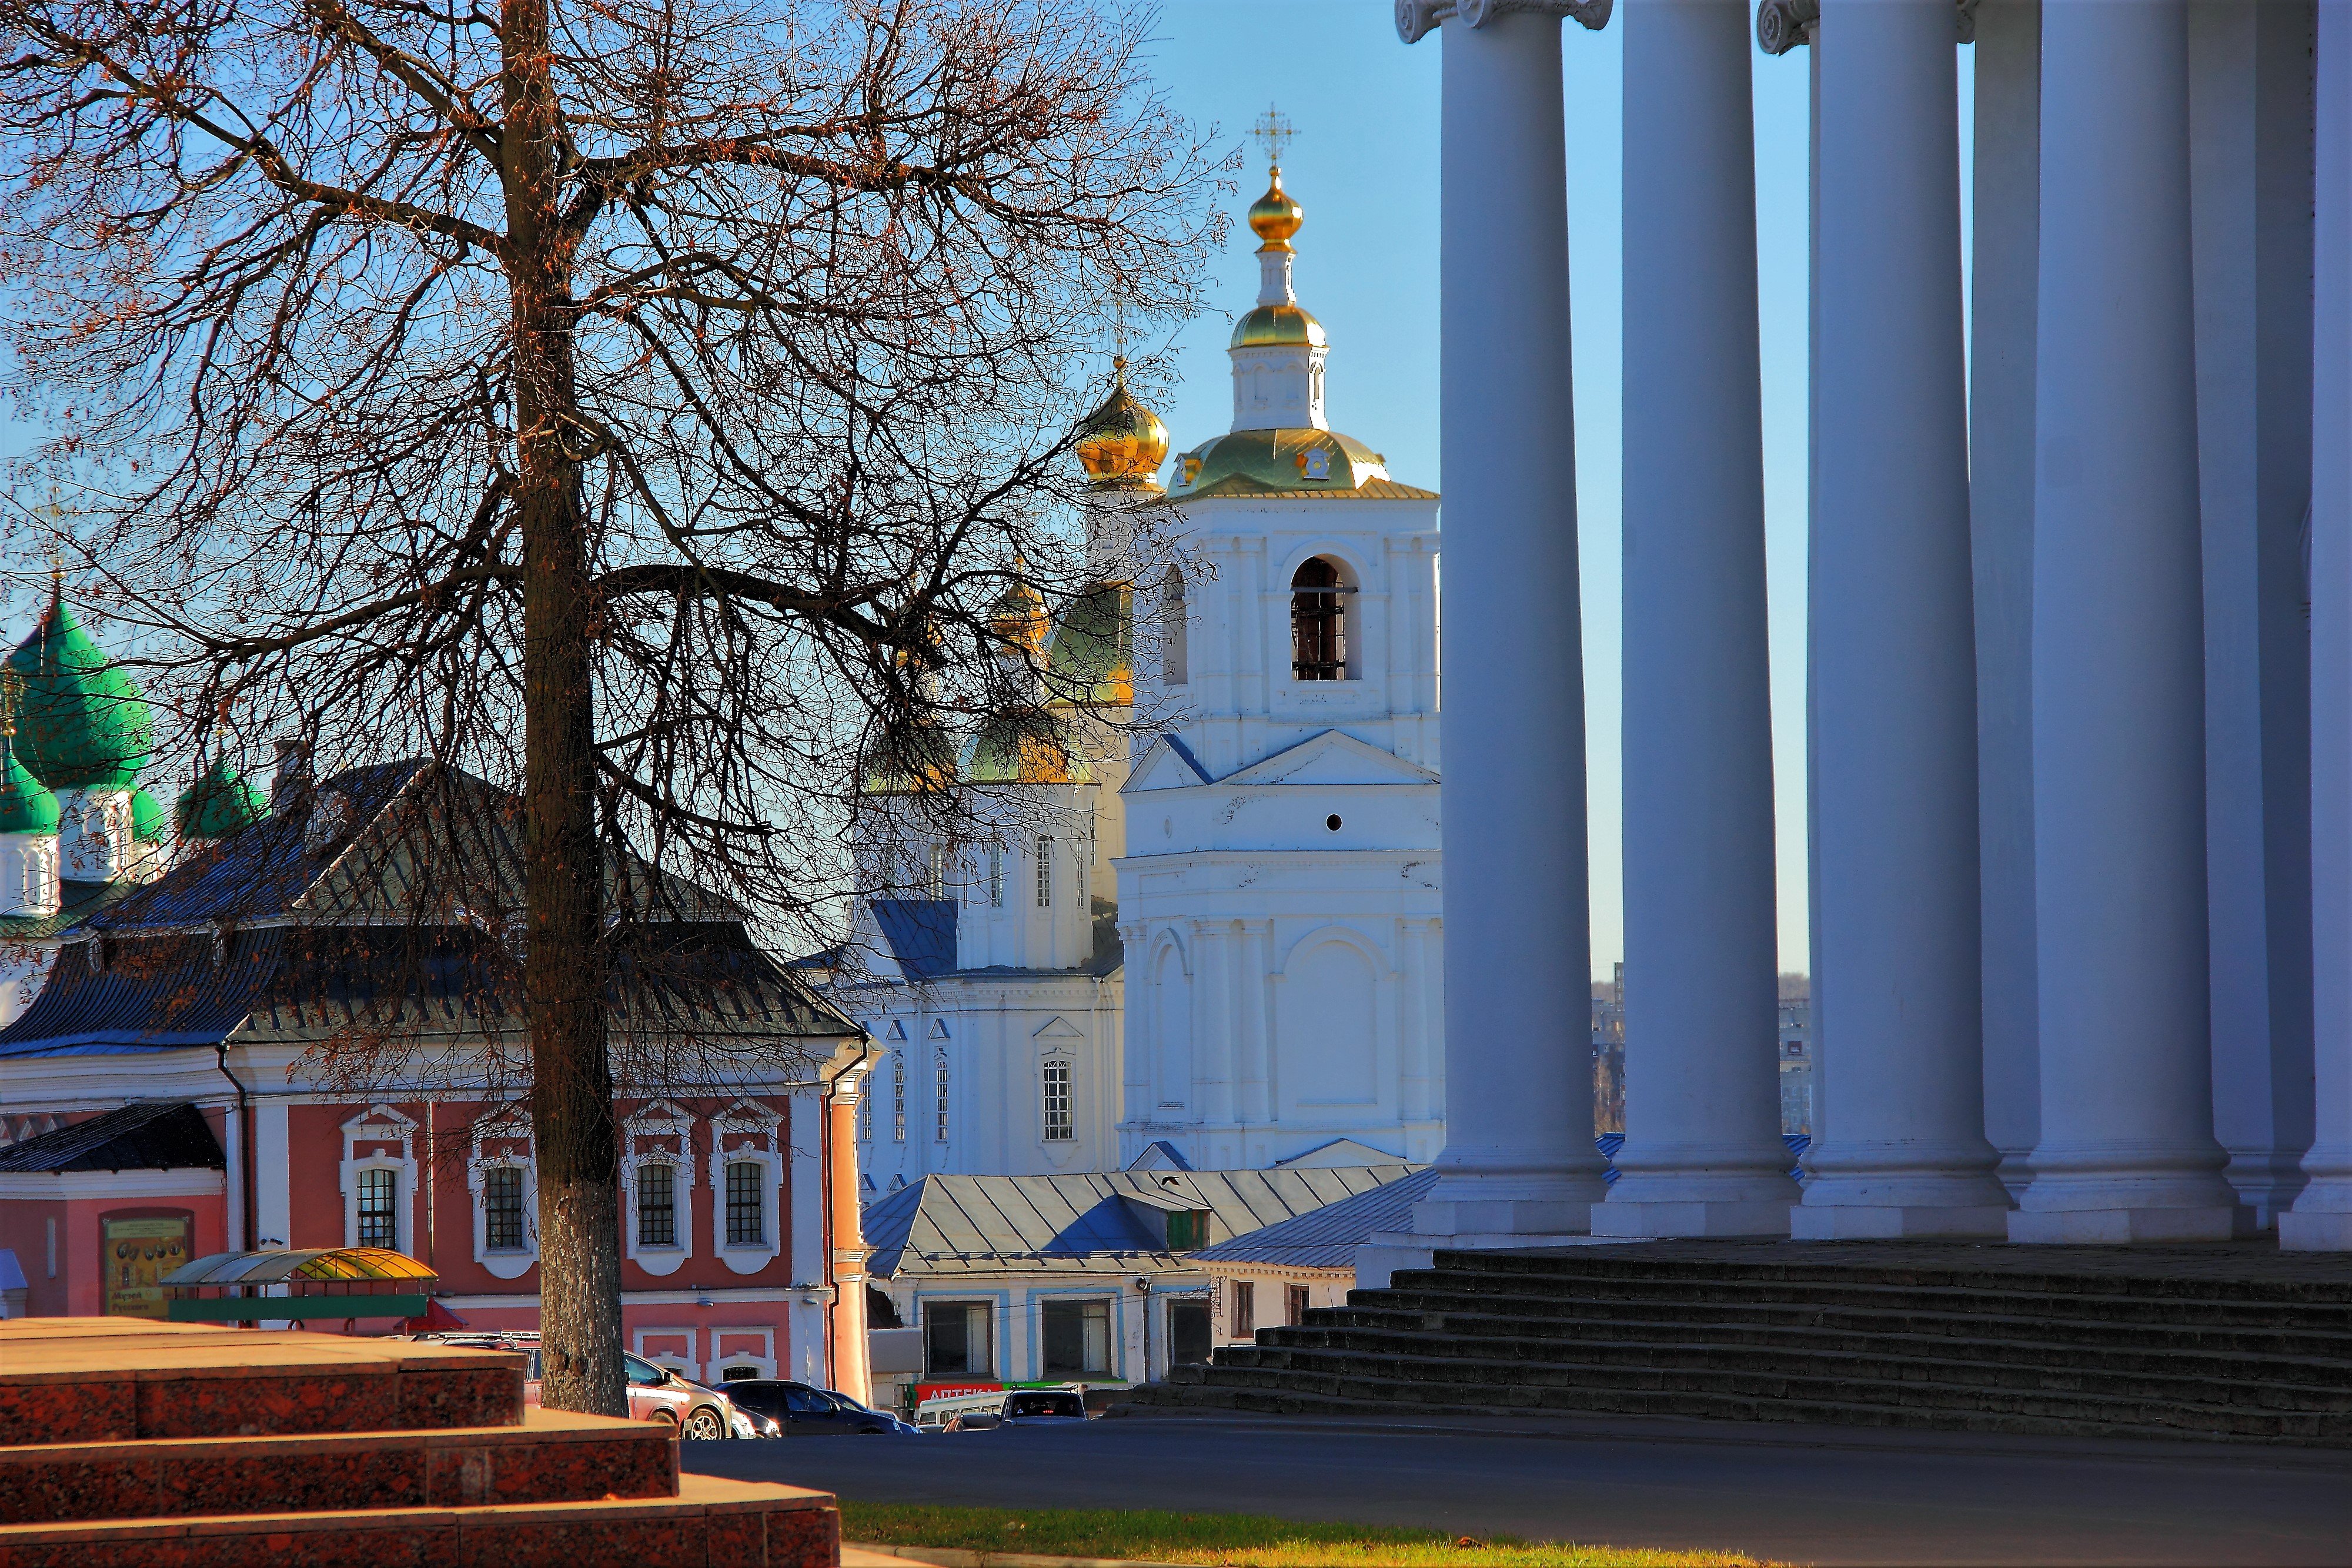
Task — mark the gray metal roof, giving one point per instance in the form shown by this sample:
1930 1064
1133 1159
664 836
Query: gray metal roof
1090 1223
1329 1236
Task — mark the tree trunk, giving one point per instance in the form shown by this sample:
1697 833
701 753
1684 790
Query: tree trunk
572 1133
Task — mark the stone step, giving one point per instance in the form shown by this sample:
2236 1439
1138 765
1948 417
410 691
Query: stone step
1515 1339
709 1524
1610 1403
102 1389
552 1457
2150 1278
1397 1384
1476 1315
1412 1288
1436 1358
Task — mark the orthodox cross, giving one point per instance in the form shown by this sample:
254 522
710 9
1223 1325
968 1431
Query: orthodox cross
1274 132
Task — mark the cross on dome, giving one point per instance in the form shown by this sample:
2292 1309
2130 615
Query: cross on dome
1274 132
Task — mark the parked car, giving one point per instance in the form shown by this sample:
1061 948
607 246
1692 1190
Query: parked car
1011 1408
655 1393
806 1411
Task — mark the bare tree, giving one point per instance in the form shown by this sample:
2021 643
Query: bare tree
641 406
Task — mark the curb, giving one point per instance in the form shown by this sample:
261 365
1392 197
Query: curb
956 1557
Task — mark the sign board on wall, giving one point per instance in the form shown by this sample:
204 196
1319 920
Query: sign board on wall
135 1254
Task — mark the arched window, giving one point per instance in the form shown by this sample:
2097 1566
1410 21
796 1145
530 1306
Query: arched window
1319 622
1175 654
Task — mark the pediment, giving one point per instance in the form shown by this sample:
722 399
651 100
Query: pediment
1169 764
1057 1027
1332 757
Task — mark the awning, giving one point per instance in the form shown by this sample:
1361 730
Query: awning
299 1283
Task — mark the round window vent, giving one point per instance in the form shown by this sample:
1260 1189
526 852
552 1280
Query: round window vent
1332 822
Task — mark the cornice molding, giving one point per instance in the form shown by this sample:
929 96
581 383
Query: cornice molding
1415 18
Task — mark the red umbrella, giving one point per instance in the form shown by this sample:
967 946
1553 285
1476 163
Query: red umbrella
437 1318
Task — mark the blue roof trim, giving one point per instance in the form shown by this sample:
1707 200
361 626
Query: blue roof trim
1176 744
921 933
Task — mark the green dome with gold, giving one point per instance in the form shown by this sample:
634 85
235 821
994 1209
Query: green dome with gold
83 724
217 804
1025 746
26 804
1257 462
1091 661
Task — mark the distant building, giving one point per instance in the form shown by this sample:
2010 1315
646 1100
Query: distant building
1609 1054
1796 1048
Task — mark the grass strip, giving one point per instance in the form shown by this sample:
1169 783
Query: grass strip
1234 1539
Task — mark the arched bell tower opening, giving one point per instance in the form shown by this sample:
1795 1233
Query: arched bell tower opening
1322 639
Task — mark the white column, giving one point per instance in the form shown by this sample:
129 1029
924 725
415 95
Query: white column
2322 1217
2004 283
2127 1151
1703 1154
272 1189
1899 1147
1519 1159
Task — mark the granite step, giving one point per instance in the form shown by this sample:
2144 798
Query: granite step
94 1389
1510 1339
552 1457
1396 1387
1576 1317
1531 1295
1421 1359
709 1524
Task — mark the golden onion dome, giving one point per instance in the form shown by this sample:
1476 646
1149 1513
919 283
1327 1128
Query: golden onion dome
1122 444
1279 327
1018 617
1275 217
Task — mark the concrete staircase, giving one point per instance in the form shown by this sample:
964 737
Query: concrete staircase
204 1446
1941 1336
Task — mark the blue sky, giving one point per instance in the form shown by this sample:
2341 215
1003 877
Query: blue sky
1365 167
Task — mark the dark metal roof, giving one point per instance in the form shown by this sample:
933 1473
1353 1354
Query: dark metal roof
1090 1223
1328 1238
152 1136
161 993
921 933
76 900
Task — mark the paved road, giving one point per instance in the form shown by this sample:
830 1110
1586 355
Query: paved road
1787 1494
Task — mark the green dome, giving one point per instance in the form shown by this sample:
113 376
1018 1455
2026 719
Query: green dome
26 804
83 724
1025 746
1092 657
146 816
922 762
1258 461
215 806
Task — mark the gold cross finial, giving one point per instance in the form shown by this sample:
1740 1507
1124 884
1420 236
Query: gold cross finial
1274 134
12 696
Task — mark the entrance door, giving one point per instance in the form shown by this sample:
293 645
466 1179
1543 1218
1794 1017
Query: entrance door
1187 1330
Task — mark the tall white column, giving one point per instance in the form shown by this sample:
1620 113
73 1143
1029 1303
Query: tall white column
1899 1147
2127 1151
2322 1217
2004 282
1703 1154
1519 1159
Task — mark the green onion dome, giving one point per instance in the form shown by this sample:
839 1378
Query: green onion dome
215 806
83 724
1025 746
26 804
146 818
919 761
1091 660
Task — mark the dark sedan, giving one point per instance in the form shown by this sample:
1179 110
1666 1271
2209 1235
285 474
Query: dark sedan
804 1411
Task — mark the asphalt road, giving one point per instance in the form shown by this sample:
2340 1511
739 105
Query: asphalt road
1786 1494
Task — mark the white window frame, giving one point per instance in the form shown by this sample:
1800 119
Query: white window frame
381 1125
684 1366
897 1096
763 1364
996 876
1046 1100
1045 871
510 1122
661 1119
939 1080
763 1125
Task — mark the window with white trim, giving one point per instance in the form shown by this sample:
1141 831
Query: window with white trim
379 1209
502 1228
1045 873
1057 1101
940 1071
747 1204
996 876
656 1205
865 1117
897 1097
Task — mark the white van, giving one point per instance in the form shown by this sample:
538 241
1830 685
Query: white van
1001 1407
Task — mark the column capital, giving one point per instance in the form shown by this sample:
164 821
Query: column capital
1783 24
1415 18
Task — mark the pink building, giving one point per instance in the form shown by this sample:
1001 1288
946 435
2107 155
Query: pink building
276 1044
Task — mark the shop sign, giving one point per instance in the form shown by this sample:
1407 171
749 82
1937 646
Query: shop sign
136 1254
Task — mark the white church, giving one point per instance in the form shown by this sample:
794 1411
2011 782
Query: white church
1213 941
